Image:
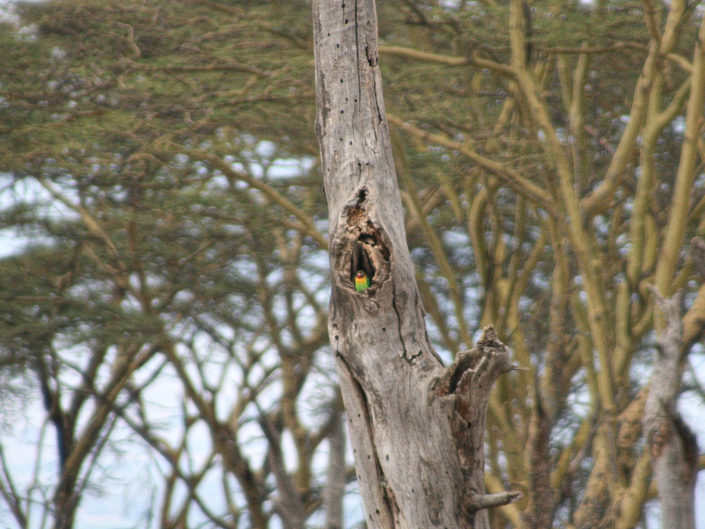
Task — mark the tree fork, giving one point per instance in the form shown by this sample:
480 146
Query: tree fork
416 428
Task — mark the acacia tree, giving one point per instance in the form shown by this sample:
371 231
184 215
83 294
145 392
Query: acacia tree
159 308
162 225
361 195
616 207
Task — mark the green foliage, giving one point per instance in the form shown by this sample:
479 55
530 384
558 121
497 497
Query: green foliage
159 158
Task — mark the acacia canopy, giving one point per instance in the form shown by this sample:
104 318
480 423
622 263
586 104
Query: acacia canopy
158 160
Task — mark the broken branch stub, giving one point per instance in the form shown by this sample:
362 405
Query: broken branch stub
468 383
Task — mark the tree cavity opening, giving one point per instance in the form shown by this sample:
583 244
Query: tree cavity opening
361 250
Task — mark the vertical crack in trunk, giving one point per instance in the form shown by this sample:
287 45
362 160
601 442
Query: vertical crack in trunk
399 321
357 54
386 508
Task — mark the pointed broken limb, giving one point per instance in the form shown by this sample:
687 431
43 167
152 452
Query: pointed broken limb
468 382
483 363
487 501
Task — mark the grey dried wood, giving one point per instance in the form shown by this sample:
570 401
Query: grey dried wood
416 427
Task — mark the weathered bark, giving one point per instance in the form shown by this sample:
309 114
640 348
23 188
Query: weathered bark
416 428
671 443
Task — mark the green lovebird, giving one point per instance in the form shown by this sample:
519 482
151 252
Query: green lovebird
362 282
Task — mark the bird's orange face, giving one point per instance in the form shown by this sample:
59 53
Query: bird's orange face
360 274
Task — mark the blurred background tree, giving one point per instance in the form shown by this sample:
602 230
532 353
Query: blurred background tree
164 317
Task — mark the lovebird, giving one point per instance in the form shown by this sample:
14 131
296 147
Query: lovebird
362 282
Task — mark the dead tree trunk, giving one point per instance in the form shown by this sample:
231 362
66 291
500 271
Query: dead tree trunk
416 428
